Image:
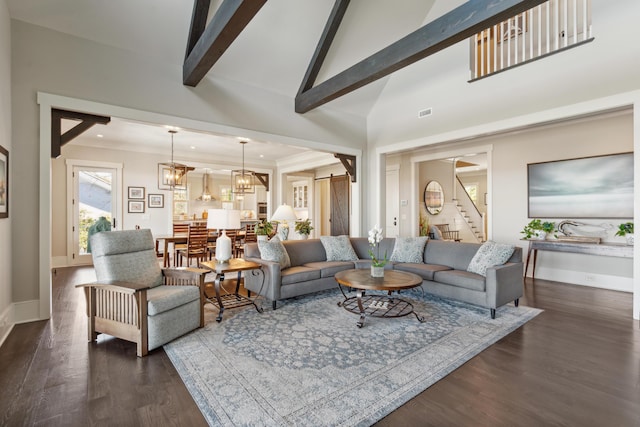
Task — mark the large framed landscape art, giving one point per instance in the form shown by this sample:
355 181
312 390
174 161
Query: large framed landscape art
589 187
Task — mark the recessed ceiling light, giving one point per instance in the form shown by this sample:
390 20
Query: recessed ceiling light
99 135
193 147
261 156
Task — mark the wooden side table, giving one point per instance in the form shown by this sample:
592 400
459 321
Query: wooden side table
230 300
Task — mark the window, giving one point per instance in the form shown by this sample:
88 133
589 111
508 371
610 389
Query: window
472 191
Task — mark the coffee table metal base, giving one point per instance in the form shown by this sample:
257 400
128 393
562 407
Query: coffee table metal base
378 306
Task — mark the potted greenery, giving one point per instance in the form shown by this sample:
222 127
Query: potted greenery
264 230
304 228
626 230
536 229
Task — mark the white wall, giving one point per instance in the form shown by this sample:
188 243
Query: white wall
606 66
6 142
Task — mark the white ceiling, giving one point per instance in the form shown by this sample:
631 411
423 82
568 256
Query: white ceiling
272 52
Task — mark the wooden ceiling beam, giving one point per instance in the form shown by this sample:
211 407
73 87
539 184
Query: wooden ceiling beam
228 22
198 23
459 24
86 121
349 163
328 34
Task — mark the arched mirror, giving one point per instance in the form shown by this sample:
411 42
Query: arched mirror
433 197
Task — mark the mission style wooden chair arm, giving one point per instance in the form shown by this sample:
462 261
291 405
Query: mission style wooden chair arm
119 308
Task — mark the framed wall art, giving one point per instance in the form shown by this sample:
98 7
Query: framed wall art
156 201
136 206
588 187
136 192
4 182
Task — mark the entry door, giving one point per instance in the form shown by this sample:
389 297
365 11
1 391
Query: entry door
339 196
392 228
95 192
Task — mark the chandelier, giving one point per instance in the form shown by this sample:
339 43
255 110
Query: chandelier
172 176
242 181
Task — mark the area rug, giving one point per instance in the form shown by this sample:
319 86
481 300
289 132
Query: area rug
307 363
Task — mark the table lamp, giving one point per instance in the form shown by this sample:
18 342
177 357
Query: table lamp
223 219
283 214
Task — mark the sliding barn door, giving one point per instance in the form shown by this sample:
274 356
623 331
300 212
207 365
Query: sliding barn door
339 196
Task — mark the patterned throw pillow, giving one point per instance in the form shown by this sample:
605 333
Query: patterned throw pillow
490 254
409 249
273 250
338 248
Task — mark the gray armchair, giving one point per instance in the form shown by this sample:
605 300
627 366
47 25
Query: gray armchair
134 299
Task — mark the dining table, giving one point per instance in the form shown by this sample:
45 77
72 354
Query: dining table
178 239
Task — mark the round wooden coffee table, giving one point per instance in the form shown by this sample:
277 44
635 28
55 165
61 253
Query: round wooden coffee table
377 305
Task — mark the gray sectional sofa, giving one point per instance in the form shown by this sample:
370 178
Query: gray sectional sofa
443 270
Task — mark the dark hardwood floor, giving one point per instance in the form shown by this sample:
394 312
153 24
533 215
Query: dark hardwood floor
576 364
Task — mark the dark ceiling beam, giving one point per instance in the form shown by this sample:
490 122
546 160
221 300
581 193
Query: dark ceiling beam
349 163
459 24
328 34
198 23
58 139
263 178
228 22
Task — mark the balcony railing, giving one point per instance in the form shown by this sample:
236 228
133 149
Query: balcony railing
546 29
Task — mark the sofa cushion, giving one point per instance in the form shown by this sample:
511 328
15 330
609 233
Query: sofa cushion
164 298
461 279
409 249
299 274
489 255
338 248
456 255
330 268
426 271
274 251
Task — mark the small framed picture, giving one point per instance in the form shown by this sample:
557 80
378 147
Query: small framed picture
136 192
136 206
156 200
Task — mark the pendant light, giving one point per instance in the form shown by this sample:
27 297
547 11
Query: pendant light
242 180
172 176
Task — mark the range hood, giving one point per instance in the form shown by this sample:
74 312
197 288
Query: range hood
206 195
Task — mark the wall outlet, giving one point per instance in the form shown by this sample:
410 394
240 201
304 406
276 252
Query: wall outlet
590 278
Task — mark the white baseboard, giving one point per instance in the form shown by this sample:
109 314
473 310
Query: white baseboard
603 281
6 324
26 311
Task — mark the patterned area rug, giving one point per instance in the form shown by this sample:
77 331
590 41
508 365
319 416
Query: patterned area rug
307 363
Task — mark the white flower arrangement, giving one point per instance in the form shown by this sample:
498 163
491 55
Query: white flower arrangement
375 237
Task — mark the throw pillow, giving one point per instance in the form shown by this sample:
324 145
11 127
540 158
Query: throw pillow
409 249
273 250
338 248
490 254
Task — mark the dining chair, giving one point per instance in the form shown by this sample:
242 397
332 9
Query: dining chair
447 233
196 247
179 228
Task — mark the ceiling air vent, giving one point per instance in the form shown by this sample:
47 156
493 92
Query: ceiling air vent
425 113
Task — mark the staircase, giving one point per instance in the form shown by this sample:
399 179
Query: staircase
469 212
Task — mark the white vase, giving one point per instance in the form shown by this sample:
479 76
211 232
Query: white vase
377 271
304 236
629 237
540 235
262 237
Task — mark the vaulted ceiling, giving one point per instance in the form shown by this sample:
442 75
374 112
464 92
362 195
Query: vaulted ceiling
273 51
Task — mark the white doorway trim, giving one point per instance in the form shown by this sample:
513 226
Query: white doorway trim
72 164
47 101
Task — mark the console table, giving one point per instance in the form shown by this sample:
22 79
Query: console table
604 249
